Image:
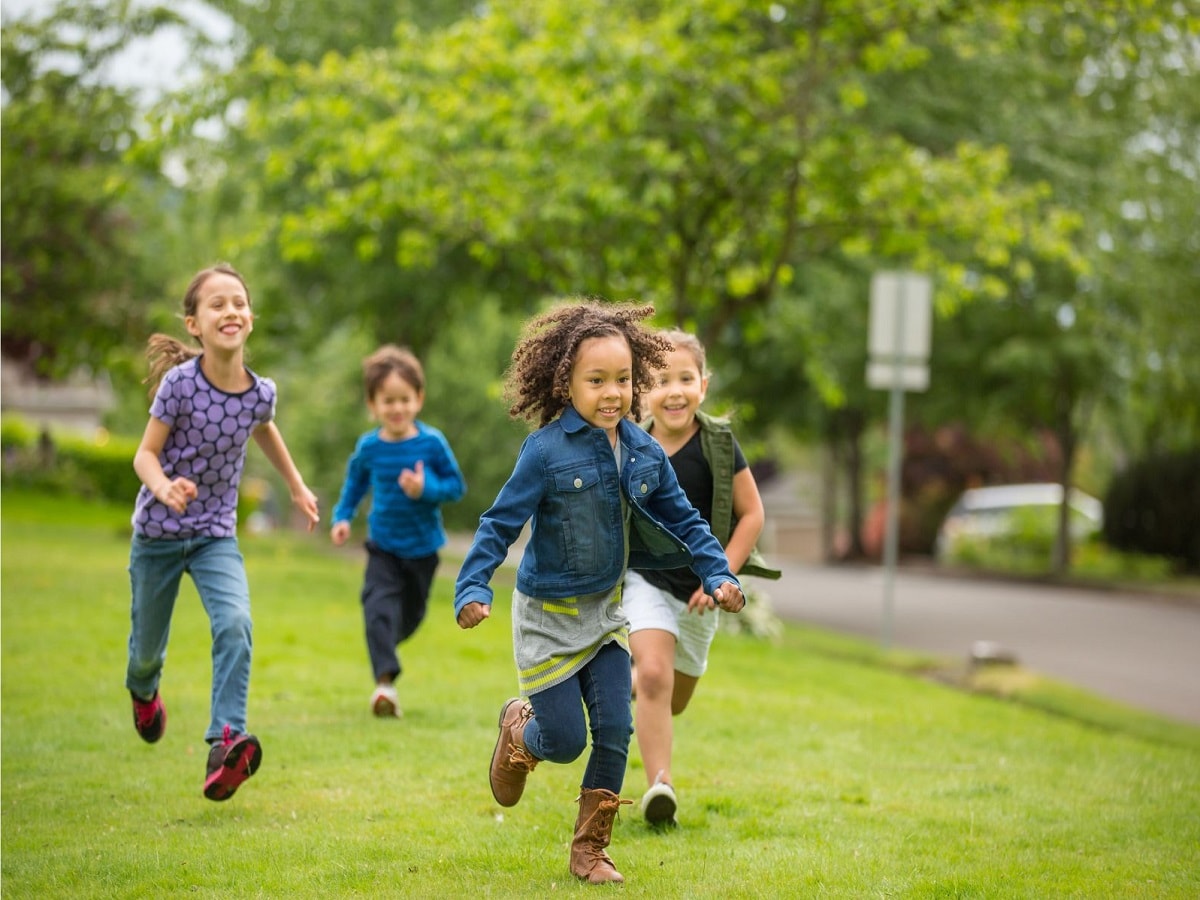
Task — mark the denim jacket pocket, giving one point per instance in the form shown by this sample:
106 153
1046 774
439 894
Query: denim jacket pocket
643 483
582 510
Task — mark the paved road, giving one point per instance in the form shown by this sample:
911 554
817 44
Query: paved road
1138 650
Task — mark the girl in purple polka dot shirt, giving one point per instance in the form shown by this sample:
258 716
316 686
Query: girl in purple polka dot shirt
207 405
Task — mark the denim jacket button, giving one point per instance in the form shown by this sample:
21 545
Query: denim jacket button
578 482
645 487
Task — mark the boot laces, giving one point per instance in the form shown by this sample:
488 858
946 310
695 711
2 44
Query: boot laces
520 758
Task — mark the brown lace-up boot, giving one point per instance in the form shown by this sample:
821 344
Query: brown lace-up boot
593 830
511 762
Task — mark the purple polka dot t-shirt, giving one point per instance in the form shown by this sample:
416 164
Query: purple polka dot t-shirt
207 445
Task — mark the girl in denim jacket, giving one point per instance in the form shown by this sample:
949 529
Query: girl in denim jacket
599 495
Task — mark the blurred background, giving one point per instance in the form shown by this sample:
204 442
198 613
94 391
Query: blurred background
431 173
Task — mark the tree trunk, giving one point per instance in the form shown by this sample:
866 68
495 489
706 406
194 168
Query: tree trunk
852 421
829 490
1060 560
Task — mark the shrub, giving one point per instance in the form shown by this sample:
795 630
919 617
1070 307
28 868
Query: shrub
16 434
100 467
1153 507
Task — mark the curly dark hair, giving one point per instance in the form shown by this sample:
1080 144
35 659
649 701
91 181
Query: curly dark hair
538 380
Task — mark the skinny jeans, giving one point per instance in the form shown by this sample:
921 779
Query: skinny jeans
216 567
558 731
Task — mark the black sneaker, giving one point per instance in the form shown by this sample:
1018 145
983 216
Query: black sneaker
149 717
231 761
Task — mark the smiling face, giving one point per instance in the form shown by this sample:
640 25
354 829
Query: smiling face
678 394
602 382
223 319
396 405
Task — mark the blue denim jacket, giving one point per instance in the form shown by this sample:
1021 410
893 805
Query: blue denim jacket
565 480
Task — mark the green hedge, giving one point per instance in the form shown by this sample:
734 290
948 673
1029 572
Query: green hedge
65 463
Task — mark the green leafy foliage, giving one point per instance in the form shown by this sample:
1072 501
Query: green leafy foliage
72 271
64 463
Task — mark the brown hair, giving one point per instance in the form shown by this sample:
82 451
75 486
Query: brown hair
165 352
538 380
682 340
388 359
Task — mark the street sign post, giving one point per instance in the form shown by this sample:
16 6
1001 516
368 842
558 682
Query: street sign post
898 361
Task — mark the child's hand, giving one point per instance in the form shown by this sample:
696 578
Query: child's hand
472 614
176 494
730 597
339 532
306 501
412 481
700 602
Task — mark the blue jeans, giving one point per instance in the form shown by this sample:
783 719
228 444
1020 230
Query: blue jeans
558 732
217 569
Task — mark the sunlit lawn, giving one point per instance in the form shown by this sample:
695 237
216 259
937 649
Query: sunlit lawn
806 768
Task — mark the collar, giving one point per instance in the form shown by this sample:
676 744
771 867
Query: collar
629 433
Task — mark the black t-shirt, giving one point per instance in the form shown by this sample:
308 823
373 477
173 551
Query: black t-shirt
695 477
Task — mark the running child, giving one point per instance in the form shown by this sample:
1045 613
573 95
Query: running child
410 471
207 405
599 495
672 618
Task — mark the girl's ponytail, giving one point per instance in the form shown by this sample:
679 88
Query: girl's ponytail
165 353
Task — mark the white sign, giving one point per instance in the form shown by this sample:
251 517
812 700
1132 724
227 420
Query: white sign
911 376
898 342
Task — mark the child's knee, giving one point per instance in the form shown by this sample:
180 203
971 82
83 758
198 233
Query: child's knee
559 745
655 677
233 627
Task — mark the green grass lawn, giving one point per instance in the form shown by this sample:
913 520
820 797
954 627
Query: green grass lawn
807 767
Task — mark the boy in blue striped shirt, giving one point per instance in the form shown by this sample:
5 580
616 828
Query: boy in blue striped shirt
410 470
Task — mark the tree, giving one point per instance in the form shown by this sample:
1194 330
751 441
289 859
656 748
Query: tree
691 156
72 272
706 156
1080 103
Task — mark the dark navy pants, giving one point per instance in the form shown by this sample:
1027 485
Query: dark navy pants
394 596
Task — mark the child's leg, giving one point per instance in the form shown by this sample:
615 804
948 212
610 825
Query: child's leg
605 685
219 572
654 651
381 599
557 732
414 599
654 617
155 570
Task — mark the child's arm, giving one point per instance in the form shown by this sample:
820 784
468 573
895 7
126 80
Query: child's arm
441 479
498 529
174 493
271 442
354 488
750 517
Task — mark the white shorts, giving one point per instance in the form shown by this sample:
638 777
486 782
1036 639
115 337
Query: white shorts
650 607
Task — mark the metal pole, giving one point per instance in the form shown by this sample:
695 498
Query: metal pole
895 452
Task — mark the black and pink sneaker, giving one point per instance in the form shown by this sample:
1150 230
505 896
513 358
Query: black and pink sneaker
149 717
231 761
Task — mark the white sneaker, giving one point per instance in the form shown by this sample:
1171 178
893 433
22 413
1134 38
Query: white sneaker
658 803
385 703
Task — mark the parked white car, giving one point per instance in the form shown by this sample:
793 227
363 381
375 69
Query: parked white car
988 512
